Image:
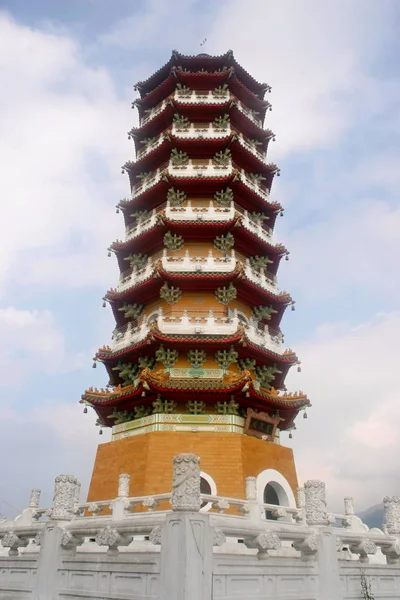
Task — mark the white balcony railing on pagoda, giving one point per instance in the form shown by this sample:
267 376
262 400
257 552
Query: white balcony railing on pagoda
128 335
199 168
199 131
265 336
206 97
196 322
200 97
208 212
261 278
153 112
199 264
207 131
131 277
150 180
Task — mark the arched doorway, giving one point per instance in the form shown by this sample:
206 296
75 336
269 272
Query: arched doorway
273 488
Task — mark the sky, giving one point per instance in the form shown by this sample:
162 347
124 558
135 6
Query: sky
67 71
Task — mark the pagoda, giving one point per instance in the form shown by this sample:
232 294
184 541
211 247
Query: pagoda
197 360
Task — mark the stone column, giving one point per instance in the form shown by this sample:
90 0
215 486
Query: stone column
64 498
46 579
254 509
329 584
124 482
187 538
251 489
301 498
34 499
186 483
391 509
348 506
77 492
315 502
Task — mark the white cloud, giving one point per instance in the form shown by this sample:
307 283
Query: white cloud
315 55
350 438
29 341
62 138
52 439
358 246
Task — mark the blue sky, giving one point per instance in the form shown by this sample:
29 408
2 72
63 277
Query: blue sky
67 71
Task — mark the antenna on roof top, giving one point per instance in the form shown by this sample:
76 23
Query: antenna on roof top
203 42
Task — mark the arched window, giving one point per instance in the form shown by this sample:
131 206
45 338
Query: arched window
207 486
270 497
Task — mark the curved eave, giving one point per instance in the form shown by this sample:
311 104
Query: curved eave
147 290
204 187
150 239
205 112
159 93
212 343
249 243
200 61
258 295
125 398
203 148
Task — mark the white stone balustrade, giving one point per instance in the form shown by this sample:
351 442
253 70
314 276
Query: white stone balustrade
260 278
141 225
191 324
128 335
261 336
203 169
190 212
257 228
132 277
253 149
249 114
258 188
206 131
142 186
173 540
153 112
150 147
195 97
196 264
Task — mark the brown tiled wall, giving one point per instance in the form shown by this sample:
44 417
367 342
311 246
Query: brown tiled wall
228 457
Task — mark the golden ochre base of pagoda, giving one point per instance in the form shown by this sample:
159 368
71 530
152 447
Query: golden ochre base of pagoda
226 460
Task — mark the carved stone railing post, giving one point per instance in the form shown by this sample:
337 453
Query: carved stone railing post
29 515
251 489
315 502
255 510
34 499
124 482
348 506
264 542
12 541
64 498
391 509
186 483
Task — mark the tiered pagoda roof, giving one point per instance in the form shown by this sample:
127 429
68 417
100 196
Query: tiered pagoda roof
197 307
